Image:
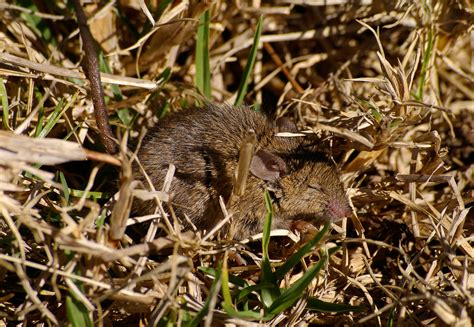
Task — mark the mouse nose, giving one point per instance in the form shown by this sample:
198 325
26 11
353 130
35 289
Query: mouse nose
337 210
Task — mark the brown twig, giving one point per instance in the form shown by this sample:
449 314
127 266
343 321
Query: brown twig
276 59
91 69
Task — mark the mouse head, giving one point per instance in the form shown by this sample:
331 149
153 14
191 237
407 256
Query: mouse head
303 185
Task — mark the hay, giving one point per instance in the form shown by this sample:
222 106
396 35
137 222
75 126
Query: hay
387 86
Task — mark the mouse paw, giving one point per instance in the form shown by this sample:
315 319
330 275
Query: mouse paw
307 232
305 229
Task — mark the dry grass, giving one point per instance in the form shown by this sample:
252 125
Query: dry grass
389 87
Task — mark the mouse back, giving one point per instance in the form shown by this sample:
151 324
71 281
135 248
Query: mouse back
204 145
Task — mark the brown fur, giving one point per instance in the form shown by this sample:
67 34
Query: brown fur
204 143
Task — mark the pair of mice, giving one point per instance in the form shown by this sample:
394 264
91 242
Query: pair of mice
204 145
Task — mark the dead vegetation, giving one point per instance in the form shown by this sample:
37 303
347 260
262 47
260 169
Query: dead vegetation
388 85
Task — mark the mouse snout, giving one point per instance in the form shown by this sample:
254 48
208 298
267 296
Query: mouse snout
337 210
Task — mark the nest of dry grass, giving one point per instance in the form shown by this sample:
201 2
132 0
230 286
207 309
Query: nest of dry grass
388 85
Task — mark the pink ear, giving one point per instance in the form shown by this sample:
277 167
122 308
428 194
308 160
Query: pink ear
267 166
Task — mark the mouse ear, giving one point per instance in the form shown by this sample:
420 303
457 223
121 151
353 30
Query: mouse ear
285 124
267 166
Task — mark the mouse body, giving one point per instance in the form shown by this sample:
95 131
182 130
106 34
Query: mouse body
204 145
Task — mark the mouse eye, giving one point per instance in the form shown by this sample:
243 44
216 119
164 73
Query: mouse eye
316 187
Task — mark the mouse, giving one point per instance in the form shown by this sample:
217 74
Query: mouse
203 143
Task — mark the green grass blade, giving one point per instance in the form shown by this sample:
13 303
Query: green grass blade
165 108
162 79
72 131
77 313
245 292
322 306
271 292
99 222
126 115
228 306
250 63
37 24
105 68
225 285
425 65
248 314
232 279
267 225
55 115
203 71
4 99
292 294
164 76
65 187
94 195
294 259
391 317
52 119
200 315
39 125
